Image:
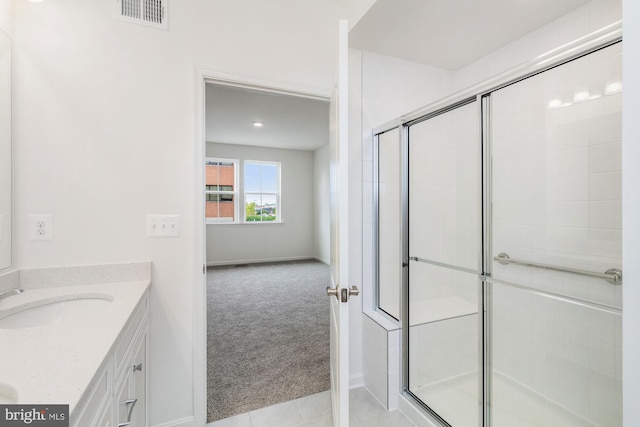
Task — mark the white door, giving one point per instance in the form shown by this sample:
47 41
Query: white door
339 292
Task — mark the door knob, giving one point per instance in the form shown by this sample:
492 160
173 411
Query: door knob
342 294
333 292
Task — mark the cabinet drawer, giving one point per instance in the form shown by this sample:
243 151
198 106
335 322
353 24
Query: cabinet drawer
129 331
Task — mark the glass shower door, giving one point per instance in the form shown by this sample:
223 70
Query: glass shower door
556 351
444 218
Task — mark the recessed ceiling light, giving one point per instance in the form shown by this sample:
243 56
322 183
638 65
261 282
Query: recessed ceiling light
36 1
258 124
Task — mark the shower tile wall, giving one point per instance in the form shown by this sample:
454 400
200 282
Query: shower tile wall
557 200
557 174
375 361
444 160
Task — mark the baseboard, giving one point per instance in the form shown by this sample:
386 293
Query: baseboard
322 260
356 381
257 261
183 422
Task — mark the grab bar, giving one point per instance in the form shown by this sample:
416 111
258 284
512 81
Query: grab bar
613 275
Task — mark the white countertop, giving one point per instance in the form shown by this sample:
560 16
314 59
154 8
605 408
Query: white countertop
55 363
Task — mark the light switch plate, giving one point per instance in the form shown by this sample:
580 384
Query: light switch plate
163 225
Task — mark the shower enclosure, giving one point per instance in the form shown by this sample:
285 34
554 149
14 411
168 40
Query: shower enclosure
507 209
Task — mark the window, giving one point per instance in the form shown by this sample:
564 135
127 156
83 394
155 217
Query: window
221 190
261 191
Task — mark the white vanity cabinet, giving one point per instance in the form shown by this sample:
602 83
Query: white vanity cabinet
118 395
131 386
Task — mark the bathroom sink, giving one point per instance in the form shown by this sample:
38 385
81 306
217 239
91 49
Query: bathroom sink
8 394
52 310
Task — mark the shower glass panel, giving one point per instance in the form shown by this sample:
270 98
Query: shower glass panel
443 288
556 342
388 156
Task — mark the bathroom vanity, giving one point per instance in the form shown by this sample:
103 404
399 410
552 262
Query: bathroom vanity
80 344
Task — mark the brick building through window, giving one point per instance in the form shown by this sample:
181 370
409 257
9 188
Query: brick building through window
220 182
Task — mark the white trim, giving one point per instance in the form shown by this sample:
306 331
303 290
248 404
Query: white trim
278 194
271 86
199 313
322 260
199 316
356 381
182 422
382 319
258 261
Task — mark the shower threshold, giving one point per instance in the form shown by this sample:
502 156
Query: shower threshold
455 399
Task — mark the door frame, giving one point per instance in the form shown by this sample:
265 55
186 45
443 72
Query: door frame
199 319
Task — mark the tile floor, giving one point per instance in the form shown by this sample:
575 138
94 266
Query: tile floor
315 411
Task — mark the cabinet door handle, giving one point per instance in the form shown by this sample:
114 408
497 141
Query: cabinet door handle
132 404
124 424
137 367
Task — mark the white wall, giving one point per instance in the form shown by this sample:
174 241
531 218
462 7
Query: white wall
6 250
583 20
5 138
631 212
321 237
6 16
291 239
356 9
104 132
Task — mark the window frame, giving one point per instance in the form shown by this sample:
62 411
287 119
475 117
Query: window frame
278 194
235 193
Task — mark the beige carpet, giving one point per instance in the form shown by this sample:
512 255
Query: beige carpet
268 335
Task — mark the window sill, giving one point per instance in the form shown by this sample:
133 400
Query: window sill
251 223
383 320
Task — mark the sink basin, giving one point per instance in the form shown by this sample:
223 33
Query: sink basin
8 394
52 310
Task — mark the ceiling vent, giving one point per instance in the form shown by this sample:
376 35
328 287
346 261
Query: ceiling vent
152 13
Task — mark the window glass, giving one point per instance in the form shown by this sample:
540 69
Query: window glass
262 191
220 190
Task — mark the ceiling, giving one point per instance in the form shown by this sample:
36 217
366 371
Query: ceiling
289 121
443 33
451 33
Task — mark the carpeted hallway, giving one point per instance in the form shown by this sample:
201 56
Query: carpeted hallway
267 333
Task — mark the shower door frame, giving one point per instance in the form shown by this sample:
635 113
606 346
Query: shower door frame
406 256
586 45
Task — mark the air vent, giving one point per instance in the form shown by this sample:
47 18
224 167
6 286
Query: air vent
152 13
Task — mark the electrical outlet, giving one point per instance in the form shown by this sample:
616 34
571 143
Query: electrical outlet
163 225
41 227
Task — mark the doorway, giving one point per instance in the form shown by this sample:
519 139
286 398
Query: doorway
266 246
